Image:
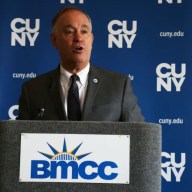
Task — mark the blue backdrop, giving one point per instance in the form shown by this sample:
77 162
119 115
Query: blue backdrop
148 40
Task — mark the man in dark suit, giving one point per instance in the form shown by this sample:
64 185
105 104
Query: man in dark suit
102 95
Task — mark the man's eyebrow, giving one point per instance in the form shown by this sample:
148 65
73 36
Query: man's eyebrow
69 26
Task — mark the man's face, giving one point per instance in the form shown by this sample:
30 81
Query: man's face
73 39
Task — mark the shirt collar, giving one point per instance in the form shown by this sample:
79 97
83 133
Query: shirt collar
83 74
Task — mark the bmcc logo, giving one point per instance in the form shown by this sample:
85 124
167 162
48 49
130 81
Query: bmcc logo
119 33
67 164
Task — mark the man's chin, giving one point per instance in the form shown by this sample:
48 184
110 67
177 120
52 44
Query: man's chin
79 65
80 61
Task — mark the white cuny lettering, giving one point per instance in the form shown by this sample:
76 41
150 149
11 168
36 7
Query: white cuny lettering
118 31
22 31
167 76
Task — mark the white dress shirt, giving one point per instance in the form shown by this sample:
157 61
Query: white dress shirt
82 85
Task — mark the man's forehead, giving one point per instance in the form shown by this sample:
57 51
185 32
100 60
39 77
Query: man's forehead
71 19
73 26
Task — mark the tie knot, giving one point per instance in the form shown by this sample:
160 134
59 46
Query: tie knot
74 78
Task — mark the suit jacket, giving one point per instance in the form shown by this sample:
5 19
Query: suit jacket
109 97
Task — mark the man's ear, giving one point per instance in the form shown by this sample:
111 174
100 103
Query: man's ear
92 37
54 40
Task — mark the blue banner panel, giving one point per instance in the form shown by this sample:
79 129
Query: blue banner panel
149 41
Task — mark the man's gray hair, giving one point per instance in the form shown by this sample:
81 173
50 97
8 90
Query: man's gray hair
65 9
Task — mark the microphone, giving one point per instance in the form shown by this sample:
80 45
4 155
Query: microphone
40 113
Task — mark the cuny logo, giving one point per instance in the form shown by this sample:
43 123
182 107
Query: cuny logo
118 31
72 1
22 31
13 111
169 1
171 169
168 76
67 164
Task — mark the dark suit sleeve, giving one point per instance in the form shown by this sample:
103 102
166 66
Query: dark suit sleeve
130 110
24 108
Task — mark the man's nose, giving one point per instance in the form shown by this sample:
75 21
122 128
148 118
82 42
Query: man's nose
78 37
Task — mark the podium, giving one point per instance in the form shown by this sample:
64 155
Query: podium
145 155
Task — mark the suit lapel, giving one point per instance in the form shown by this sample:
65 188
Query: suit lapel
56 94
94 81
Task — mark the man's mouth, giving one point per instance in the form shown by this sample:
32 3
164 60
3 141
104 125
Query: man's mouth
78 49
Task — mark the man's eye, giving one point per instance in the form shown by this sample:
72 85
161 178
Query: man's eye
84 32
68 32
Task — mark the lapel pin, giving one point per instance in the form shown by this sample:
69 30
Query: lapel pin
95 80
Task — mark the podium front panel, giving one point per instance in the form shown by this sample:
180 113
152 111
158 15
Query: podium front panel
145 155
